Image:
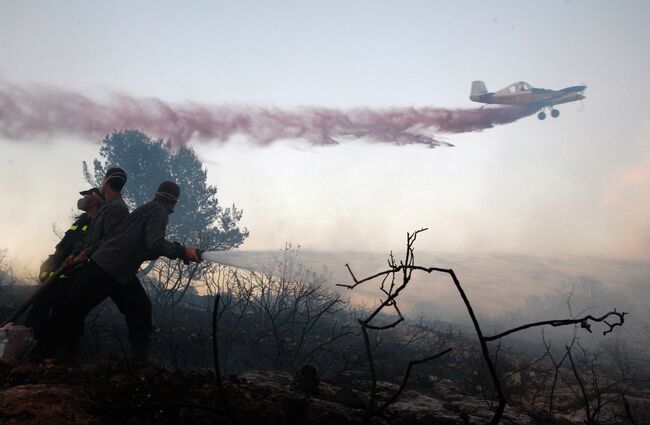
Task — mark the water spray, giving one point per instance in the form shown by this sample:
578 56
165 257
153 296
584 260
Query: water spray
219 257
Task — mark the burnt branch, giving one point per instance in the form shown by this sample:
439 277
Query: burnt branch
583 321
628 410
225 401
580 384
215 341
392 290
556 373
407 375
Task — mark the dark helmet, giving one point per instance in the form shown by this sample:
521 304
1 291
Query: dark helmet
115 178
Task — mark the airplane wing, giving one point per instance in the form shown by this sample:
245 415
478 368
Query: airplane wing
542 91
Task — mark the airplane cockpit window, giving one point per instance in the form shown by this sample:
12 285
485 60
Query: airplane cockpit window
518 87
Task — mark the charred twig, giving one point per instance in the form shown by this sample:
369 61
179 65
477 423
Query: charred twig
225 402
583 321
628 410
370 411
407 375
484 349
581 385
215 341
556 374
391 291
406 268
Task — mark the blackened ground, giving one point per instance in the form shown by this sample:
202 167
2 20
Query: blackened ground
112 391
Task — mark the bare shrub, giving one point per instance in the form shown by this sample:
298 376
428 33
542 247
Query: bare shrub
283 311
395 279
7 279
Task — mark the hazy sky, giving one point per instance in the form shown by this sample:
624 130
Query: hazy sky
578 185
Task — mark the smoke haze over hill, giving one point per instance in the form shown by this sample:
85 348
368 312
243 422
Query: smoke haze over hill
505 290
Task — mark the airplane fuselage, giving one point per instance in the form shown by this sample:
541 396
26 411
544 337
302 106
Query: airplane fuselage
534 96
524 95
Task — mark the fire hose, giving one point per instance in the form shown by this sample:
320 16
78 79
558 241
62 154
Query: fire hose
210 256
43 286
15 341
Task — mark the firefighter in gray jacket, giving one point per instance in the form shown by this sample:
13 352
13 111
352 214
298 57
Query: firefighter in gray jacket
109 217
110 270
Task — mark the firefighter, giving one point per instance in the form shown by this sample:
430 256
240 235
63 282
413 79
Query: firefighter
110 215
90 203
108 220
110 271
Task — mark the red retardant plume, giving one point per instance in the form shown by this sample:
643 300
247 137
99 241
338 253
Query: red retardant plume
36 111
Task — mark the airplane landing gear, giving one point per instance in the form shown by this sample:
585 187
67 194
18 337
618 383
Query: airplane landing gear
554 113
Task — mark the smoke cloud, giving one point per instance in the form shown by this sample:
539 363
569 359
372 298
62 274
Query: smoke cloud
28 112
628 196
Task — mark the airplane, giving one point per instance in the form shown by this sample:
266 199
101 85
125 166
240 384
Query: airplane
524 95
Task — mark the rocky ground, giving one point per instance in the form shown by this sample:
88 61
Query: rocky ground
111 392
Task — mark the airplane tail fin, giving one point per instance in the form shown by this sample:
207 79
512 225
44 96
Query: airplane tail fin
478 89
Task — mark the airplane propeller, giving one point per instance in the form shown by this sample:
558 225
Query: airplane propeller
582 101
